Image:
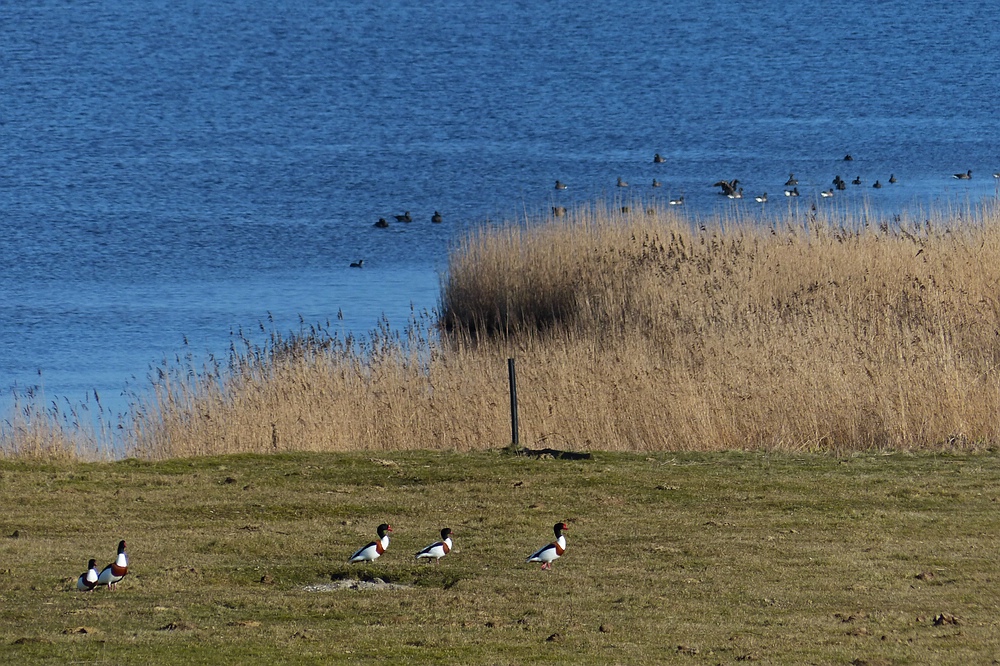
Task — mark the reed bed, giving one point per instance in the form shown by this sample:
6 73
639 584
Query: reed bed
638 332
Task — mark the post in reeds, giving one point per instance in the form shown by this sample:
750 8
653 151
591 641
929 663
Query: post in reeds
512 376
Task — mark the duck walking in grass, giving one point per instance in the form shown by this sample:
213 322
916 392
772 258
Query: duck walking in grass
548 554
114 572
438 549
88 579
372 551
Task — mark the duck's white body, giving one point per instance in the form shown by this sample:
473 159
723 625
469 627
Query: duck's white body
548 554
88 579
374 550
115 571
438 549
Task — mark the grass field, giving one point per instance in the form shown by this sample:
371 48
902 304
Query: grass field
696 558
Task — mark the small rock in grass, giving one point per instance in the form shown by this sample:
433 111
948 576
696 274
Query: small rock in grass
605 629
687 649
925 575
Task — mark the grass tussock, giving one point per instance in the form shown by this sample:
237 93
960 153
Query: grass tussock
638 332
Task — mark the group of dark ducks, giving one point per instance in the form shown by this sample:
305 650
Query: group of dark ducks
382 223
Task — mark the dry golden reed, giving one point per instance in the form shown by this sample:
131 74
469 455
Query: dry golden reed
643 331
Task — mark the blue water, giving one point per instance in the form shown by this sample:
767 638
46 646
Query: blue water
173 172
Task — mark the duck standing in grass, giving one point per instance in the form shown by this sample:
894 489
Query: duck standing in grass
547 554
372 551
438 549
88 579
115 571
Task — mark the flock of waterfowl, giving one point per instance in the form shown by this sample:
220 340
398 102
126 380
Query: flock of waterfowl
732 189
91 579
728 188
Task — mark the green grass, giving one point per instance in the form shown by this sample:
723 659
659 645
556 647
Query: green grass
734 557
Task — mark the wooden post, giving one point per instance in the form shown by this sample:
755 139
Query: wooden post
512 375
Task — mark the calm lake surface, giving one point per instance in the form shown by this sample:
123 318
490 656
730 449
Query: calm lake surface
174 172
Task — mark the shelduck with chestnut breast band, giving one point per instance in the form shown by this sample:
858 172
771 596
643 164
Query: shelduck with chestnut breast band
88 579
372 551
115 571
438 549
547 554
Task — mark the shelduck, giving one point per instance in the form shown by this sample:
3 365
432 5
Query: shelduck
88 579
371 552
115 571
547 554
438 549
964 176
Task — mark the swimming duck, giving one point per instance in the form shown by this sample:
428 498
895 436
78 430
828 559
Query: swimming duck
358 264
656 183
877 185
115 571
827 193
964 176
381 224
738 194
848 157
792 181
560 185
658 159
371 552
88 579
621 182
547 554
761 199
438 549
856 181
892 178
679 201
436 218
794 192
405 217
